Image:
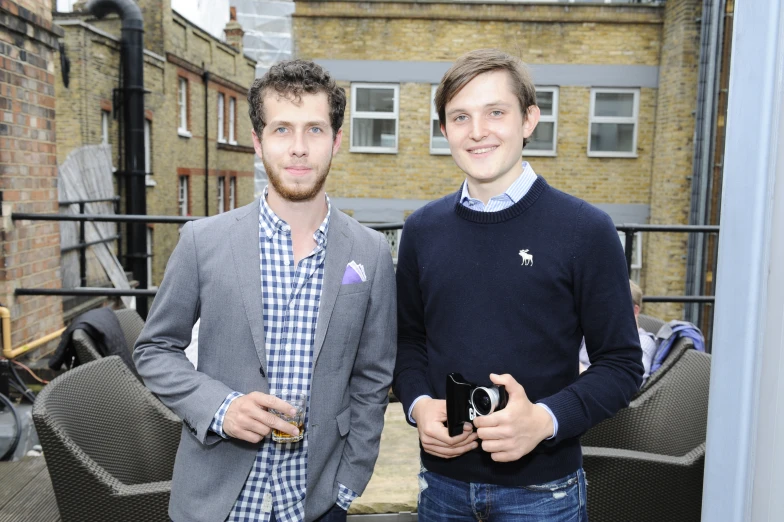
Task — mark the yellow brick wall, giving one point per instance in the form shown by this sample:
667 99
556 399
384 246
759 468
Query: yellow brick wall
673 156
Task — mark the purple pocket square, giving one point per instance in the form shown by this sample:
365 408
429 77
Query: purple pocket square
350 277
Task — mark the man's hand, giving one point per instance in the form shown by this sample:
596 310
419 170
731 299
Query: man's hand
248 419
513 432
430 415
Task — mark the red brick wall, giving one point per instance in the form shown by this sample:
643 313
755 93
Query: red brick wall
29 251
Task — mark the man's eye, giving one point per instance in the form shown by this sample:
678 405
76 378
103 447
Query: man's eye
280 130
496 113
316 130
462 117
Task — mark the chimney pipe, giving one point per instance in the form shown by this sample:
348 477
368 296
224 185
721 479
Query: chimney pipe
132 48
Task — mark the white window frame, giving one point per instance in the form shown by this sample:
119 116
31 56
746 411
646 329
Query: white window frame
150 286
221 194
634 119
394 115
105 127
148 153
548 119
232 119
636 253
232 193
182 194
182 102
434 117
221 117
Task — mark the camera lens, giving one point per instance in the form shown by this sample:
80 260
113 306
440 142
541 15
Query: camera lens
484 400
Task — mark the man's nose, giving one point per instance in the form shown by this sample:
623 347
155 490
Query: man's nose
299 146
478 130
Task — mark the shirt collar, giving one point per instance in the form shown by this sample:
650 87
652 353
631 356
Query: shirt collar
516 190
270 223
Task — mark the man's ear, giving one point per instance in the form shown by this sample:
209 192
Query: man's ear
531 120
336 141
256 143
443 130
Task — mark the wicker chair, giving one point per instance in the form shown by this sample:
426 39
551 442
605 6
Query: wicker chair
109 444
646 463
131 324
649 323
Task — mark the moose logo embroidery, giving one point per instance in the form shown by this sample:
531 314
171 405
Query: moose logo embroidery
528 259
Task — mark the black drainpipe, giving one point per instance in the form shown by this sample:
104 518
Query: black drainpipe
132 48
206 78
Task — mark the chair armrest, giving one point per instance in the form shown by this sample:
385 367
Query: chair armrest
626 485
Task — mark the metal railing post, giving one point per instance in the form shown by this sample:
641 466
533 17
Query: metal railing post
82 248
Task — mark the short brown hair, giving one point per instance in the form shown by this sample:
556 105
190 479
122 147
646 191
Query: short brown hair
636 293
291 78
481 61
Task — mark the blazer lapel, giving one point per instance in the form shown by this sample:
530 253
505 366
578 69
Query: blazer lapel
245 249
339 244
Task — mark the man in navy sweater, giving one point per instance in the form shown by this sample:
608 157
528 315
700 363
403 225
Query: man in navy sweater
500 281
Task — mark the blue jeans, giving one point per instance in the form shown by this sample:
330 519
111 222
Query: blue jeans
446 499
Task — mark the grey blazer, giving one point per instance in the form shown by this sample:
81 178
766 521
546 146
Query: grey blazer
214 274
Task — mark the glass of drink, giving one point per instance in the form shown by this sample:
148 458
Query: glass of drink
297 400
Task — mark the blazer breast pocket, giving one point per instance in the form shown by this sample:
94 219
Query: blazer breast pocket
345 325
355 288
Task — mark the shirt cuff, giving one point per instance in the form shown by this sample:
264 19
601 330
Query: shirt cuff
411 408
552 416
345 496
217 421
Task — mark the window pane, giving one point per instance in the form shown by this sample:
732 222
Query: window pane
373 133
619 104
542 138
438 141
545 102
612 137
375 100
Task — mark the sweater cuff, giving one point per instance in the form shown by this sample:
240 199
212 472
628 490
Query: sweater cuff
552 416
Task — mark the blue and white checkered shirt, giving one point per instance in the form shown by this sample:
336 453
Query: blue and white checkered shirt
291 295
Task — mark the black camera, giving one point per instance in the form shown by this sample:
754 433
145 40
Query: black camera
466 401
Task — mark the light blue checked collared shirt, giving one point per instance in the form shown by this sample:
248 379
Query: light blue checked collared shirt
291 297
516 191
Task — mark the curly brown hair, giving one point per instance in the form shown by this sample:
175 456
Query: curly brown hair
292 78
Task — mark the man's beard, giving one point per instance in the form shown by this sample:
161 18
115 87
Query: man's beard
299 191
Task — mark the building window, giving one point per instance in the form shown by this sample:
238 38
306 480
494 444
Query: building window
634 273
374 112
105 127
183 104
182 195
544 137
232 119
149 258
221 119
232 193
147 147
613 127
221 195
438 143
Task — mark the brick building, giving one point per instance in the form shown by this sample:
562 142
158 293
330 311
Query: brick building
29 251
179 60
616 84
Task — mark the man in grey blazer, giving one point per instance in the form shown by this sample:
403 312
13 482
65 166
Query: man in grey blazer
293 296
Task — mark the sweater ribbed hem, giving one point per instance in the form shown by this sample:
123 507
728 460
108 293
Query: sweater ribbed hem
536 190
541 466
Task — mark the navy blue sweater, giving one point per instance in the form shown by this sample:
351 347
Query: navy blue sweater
469 302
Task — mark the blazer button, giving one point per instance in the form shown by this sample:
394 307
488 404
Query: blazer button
261 371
